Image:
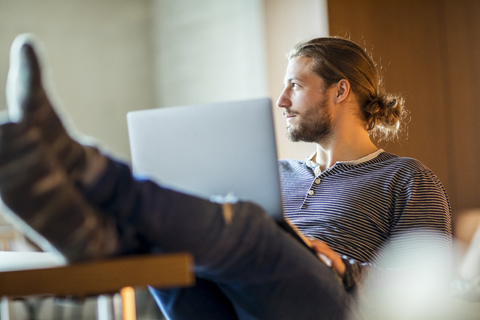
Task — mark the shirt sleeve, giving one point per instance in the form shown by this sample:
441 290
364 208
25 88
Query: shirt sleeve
420 231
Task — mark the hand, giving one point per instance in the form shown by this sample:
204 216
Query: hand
328 256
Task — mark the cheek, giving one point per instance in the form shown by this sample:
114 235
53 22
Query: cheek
301 101
309 98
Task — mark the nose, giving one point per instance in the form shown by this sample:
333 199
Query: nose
284 101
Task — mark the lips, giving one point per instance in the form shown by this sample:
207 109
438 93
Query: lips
289 115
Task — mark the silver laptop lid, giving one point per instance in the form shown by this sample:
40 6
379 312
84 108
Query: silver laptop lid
211 149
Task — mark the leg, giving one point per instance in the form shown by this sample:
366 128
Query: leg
203 301
262 270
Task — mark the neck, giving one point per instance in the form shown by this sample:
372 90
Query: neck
351 145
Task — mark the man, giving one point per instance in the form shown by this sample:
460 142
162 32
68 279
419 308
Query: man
88 206
350 189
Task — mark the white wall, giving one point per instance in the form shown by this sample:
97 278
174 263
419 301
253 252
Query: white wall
100 57
209 51
288 22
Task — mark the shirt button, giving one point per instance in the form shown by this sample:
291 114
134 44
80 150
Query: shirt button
311 192
317 181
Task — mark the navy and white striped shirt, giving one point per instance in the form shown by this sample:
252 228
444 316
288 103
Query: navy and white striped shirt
357 207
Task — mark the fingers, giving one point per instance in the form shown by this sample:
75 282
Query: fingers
328 256
325 259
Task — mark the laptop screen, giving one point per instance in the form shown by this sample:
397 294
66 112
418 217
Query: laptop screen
210 149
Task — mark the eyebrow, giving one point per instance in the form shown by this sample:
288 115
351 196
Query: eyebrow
289 80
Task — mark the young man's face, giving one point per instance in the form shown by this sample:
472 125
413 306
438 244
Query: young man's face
305 102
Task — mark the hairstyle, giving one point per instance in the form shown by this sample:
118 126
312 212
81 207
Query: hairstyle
336 59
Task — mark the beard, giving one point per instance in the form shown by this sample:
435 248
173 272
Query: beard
315 125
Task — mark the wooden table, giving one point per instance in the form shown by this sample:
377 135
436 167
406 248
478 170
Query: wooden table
32 273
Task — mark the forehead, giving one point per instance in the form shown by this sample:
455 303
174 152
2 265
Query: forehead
301 68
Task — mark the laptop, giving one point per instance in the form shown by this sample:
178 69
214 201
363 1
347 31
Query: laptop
210 150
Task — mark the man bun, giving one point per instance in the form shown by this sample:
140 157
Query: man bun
384 115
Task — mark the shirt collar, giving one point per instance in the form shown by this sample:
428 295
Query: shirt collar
310 162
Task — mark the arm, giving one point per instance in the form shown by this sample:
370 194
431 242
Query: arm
422 205
350 271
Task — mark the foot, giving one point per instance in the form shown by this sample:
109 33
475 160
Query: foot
28 103
36 188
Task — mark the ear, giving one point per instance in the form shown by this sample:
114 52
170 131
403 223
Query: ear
342 90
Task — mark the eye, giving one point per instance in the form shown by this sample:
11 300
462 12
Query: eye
295 85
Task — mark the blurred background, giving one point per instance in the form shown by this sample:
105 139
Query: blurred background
106 58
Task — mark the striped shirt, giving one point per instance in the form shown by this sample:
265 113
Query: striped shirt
356 207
